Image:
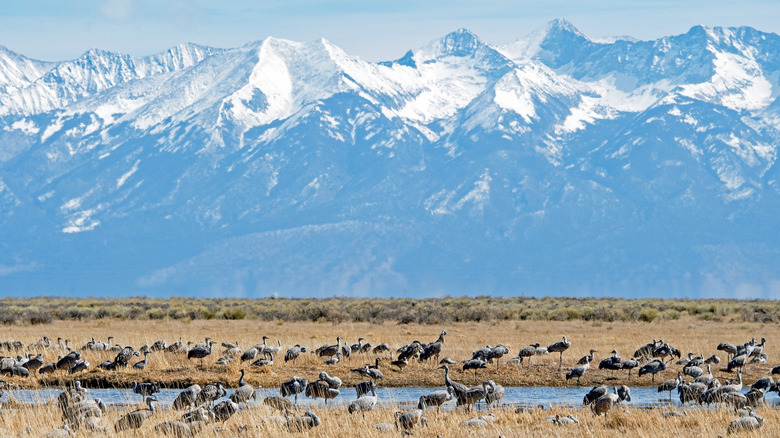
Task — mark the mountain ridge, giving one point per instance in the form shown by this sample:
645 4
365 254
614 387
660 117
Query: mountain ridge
555 165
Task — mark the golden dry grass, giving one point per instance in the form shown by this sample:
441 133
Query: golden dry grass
687 334
254 422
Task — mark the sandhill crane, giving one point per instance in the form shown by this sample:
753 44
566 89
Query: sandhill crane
198 415
35 362
690 391
472 396
750 422
175 428
175 347
605 403
203 344
685 360
457 387
712 359
274 350
333 360
670 385
692 371
68 360
578 372
363 404
279 403
158 345
587 358
303 423
79 365
646 350
332 381
623 392
733 387
737 362
562 421
730 349
329 350
758 349
200 352
210 393
355 348
438 398
405 421
244 392
321 389
141 364
433 349
293 353
136 419
495 393
653 367
250 354
497 353
224 410
294 386
187 397
630 364
145 389
400 363
475 364
705 378
346 351
612 363
664 350
528 352
747 348
559 347
232 350
266 361
381 348
365 387
594 394
765 383
374 373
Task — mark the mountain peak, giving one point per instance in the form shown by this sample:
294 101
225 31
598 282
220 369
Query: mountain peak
460 43
561 25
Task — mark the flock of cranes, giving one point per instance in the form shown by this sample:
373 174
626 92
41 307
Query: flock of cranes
202 404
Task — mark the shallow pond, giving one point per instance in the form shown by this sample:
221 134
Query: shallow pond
520 396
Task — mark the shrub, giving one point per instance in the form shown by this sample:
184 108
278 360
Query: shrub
648 315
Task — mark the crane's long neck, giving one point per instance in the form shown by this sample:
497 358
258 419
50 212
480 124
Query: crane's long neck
241 379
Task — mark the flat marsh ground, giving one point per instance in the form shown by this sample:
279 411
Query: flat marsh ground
686 333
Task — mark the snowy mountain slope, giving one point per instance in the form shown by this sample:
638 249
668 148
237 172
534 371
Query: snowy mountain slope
555 165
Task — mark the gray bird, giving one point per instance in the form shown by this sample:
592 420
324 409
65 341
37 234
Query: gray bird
199 352
578 372
364 403
244 392
303 423
294 386
559 347
187 397
136 419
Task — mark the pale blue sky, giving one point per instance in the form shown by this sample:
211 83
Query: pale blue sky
58 29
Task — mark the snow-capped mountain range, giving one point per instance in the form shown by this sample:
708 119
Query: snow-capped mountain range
555 165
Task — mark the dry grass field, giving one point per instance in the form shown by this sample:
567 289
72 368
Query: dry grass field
687 333
258 422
